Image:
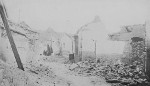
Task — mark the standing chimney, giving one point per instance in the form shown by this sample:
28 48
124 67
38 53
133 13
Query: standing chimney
76 41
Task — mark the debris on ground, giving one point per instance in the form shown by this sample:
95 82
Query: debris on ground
124 74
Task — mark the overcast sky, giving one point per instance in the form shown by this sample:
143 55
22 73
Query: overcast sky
70 15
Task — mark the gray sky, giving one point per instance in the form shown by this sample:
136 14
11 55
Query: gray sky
70 15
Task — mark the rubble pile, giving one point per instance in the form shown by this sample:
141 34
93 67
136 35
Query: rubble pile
129 73
124 73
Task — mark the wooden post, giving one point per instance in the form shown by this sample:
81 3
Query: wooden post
95 52
81 49
72 47
148 48
13 46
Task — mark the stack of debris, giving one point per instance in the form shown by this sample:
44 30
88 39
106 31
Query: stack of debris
124 73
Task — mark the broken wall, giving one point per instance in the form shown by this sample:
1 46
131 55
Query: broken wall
134 37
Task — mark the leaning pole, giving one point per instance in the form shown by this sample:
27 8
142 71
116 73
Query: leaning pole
11 40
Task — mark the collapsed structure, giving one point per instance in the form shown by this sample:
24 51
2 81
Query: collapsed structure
31 44
128 34
136 48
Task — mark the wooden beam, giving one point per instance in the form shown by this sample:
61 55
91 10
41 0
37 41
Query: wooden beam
148 48
11 40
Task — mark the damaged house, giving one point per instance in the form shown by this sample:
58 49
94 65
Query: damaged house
93 39
58 41
129 34
32 44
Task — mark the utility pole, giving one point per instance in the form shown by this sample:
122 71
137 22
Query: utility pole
11 40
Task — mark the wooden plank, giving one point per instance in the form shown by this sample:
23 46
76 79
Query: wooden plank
148 48
13 46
